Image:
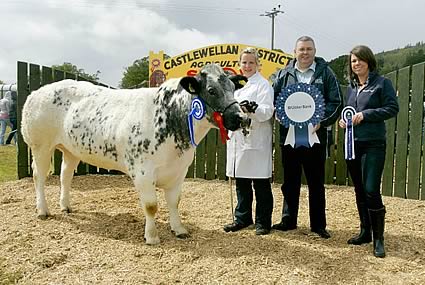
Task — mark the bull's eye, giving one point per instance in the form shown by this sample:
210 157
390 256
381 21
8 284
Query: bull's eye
211 91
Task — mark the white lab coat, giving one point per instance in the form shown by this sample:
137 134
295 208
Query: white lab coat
251 156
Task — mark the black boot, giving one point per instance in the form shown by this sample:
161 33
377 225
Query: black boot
377 219
365 235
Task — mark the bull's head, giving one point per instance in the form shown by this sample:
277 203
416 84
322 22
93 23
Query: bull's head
216 89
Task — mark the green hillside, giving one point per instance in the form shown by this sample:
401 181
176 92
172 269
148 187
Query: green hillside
387 60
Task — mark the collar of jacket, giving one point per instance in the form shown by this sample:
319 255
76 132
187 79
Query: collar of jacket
321 64
370 79
254 78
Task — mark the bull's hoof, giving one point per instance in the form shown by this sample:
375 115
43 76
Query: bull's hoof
66 210
152 241
43 217
183 236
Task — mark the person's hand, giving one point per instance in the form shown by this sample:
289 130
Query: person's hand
316 128
357 118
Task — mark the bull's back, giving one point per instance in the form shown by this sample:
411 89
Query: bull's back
46 109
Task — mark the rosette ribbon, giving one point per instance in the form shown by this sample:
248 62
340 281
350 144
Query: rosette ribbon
300 107
197 111
347 116
223 132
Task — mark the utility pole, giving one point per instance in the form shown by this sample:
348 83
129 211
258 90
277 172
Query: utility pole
272 14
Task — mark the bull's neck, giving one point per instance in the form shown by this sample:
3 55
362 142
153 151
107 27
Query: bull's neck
171 120
201 129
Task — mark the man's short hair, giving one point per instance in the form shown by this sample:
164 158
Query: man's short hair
305 39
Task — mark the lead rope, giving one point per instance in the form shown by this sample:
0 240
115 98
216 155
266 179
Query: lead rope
231 199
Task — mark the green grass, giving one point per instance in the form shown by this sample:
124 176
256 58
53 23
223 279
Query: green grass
8 162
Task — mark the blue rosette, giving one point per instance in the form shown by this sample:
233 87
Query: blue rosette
197 111
347 115
300 107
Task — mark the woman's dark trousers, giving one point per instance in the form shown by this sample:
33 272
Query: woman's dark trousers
264 202
366 172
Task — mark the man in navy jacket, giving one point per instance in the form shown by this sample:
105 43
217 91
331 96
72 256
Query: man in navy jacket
307 68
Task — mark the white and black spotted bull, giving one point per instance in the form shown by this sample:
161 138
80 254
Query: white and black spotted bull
141 132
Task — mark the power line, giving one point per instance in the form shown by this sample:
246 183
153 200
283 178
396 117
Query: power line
141 5
272 14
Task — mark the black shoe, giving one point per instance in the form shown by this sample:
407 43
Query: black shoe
260 231
234 227
322 233
364 236
284 225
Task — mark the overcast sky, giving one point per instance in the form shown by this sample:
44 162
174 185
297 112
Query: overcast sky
108 35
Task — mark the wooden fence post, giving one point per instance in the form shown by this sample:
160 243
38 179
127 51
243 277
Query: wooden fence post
388 173
211 146
416 130
22 88
200 160
402 132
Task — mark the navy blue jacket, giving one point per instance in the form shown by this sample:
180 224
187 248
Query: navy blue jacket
325 80
378 102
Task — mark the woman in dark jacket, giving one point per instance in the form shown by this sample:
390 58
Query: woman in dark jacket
374 99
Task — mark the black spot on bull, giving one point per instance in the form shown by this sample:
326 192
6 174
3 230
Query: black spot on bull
58 100
110 150
171 118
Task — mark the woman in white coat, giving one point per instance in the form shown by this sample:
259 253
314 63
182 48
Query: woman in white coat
249 157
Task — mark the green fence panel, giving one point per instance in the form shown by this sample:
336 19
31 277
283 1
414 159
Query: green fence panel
46 75
402 133
341 165
388 173
330 161
22 88
191 170
200 160
211 154
416 124
277 155
221 159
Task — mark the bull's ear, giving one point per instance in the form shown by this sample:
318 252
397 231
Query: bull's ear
190 84
239 81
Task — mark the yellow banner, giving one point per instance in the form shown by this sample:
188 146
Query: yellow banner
226 55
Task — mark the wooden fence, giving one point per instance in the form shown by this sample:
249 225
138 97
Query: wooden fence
403 172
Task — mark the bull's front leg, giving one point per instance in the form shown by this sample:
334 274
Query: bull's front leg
172 196
145 186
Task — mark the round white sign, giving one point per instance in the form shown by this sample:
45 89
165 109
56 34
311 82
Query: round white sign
299 107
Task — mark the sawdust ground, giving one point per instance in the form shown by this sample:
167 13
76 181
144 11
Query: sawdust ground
101 242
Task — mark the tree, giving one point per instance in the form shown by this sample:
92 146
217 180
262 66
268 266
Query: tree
1 82
137 74
339 66
415 57
70 68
